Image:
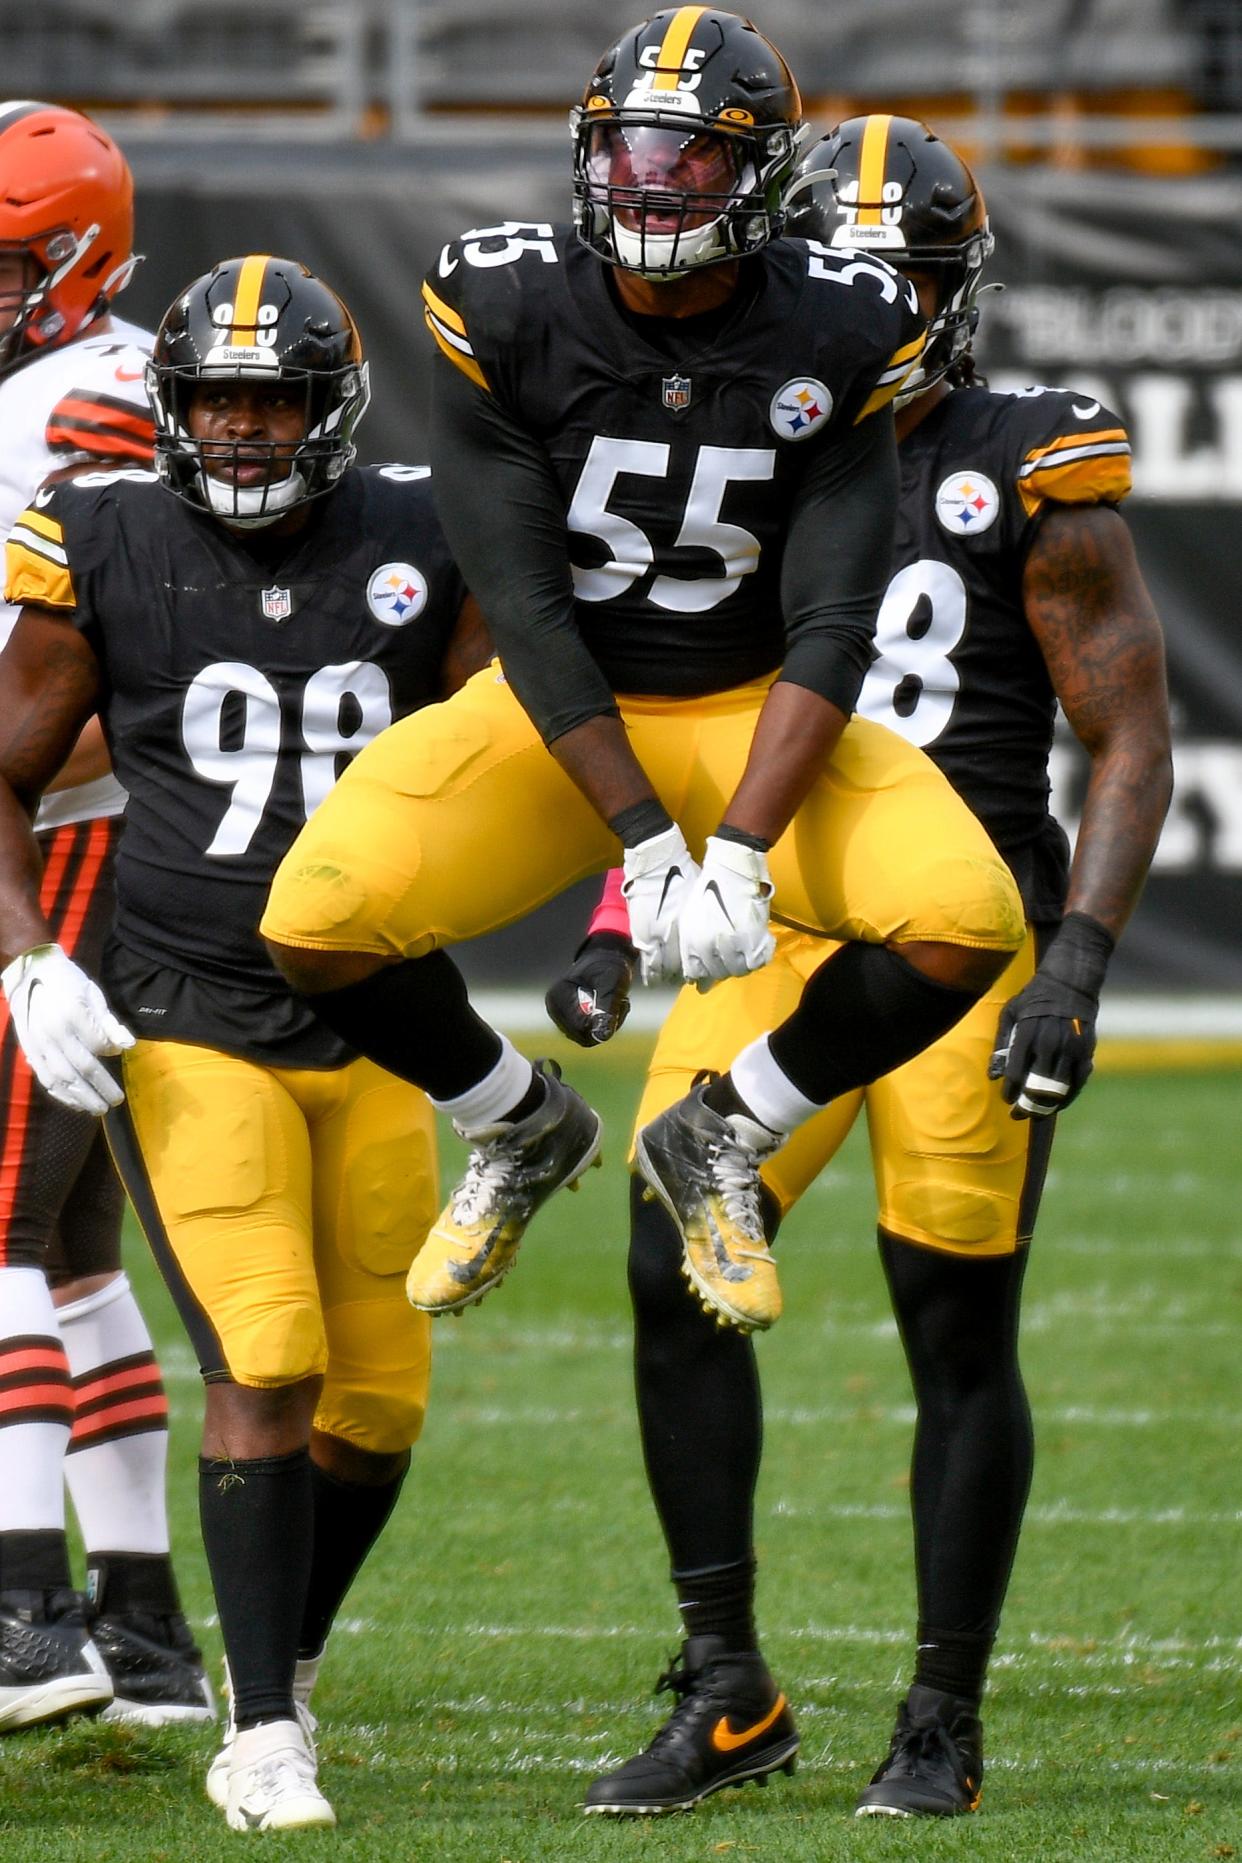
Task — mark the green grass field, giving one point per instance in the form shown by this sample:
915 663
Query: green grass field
502 1646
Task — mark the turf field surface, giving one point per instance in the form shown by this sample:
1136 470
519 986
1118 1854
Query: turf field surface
502 1646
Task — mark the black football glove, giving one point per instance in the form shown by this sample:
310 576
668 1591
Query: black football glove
591 1001
1045 1043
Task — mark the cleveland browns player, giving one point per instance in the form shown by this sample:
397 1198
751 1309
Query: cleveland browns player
665 461
81 1397
245 618
1015 586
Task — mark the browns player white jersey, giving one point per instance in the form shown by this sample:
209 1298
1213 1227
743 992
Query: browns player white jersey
78 404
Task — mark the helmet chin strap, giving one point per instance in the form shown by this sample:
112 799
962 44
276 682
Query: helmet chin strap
254 507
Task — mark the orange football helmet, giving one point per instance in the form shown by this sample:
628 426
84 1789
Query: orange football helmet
67 208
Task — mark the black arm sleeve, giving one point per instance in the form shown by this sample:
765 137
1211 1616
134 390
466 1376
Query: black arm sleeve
837 561
504 518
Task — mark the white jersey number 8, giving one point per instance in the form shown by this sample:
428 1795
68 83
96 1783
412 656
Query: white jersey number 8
912 687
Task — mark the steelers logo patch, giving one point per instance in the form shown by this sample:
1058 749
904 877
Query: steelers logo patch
397 593
967 503
800 408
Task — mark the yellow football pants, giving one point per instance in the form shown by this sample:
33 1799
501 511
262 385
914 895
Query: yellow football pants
284 1206
457 820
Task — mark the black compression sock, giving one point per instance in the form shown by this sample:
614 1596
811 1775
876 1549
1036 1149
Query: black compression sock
698 1405
720 1603
415 1019
861 1015
952 1663
349 1518
117 1582
34 1559
258 1520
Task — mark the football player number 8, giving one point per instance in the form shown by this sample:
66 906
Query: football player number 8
357 692
912 684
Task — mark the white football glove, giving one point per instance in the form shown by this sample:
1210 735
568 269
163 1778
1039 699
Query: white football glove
724 922
64 1025
658 874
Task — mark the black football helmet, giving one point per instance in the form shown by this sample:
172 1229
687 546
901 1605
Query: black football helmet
265 320
886 184
683 143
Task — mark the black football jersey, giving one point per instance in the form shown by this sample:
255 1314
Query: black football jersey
958 671
677 462
239 681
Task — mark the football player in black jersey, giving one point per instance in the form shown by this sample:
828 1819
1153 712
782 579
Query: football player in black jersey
1015 586
245 619
664 458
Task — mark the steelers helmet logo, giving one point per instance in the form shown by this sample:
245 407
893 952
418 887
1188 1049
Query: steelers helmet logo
397 594
967 503
800 408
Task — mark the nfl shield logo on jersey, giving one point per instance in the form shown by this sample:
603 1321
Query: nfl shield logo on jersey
277 604
676 393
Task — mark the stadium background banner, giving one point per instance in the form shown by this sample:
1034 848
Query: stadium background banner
1126 288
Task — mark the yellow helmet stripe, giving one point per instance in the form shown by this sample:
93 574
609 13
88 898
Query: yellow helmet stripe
672 54
871 168
250 291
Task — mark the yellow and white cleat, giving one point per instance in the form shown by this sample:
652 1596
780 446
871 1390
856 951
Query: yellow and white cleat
704 1168
512 1171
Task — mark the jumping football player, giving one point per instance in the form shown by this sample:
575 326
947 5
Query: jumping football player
1015 586
665 462
244 619
81 1398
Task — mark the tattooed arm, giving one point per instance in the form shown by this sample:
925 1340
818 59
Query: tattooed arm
49 687
1087 607
1090 612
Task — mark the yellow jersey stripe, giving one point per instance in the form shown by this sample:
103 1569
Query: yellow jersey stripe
250 293
466 364
672 54
41 546
443 311
911 349
871 168
1070 442
34 578
49 527
890 381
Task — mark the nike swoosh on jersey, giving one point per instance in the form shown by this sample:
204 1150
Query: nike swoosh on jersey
725 1740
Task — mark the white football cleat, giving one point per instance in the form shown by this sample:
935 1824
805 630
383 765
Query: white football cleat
305 1676
272 1781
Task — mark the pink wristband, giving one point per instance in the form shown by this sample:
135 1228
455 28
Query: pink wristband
612 913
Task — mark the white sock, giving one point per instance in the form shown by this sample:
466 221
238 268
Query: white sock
36 1406
768 1090
119 1448
487 1103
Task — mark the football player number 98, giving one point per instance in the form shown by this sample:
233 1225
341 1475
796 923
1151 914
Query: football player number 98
231 727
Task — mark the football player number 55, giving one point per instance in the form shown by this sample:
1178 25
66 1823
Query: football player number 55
231 730
701 526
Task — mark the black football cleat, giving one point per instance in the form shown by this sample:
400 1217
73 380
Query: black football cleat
934 1767
156 1668
731 1724
49 1666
